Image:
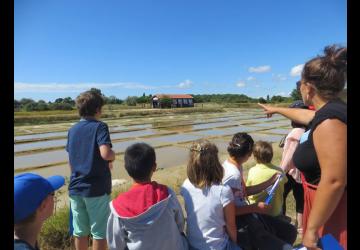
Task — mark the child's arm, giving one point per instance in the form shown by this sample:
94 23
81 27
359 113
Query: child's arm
107 153
260 208
104 142
288 153
229 214
251 190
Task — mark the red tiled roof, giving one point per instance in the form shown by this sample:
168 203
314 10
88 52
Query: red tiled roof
173 96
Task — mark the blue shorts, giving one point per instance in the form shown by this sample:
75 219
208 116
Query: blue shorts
90 215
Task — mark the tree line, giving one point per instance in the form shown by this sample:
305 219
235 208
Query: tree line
67 103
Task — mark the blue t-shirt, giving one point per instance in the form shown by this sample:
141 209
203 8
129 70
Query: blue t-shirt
90 173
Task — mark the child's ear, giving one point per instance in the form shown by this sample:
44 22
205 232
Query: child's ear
154 167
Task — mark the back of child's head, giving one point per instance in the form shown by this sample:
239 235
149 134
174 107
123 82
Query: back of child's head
204 168
140 160
88 103
263 152
240 146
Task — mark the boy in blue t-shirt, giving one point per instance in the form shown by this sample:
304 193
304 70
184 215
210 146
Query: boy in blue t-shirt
90 154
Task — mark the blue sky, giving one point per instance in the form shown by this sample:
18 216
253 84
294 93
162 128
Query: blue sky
131 47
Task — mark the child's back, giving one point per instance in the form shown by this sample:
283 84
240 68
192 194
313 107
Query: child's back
148 216
90 173
262 172
205 215
209 205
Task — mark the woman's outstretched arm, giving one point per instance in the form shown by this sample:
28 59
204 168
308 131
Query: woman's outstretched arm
302 116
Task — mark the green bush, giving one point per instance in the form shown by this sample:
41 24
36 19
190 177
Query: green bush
55 231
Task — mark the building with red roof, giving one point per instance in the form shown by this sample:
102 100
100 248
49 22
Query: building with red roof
178 100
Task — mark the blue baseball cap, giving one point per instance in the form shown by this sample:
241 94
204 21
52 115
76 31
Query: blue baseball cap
30 190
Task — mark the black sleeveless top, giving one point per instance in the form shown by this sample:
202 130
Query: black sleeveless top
305 158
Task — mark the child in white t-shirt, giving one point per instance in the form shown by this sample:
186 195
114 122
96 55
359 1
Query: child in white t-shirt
209 204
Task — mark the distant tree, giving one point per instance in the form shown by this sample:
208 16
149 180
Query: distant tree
17 105
143 99
68 100
131 100
262 100
97 91
166 102
25 101
267 98
295 95
277 98
30 106
61 106
59 100
112 100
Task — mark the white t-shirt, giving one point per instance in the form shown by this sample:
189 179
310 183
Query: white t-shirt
205 215
233 178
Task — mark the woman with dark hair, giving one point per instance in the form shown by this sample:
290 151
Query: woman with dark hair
322 153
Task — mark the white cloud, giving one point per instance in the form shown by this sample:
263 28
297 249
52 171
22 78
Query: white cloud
283 94
185 84
296 70
75 87
260 69
279 78
241 84
251 78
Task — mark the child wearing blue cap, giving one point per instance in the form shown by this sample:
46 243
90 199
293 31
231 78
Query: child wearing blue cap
33 204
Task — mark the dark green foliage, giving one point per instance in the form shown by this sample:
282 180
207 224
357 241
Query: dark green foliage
166 102
55 231
262 100
224 98
143 99
296 95
131 100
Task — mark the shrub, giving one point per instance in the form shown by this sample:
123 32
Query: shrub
55 231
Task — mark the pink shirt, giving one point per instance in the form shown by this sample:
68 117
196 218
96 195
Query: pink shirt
291 143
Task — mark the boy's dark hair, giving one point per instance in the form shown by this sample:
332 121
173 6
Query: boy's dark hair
263 152
240 145
139 161
88 103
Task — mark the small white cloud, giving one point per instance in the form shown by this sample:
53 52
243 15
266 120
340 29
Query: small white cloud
241 84
260 69
185 84
257 85
296 70
283 94
279 78
251 78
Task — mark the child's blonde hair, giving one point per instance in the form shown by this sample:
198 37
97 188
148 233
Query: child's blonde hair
263 152
204 168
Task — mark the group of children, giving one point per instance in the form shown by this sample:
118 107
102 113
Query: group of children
222 210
